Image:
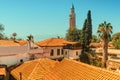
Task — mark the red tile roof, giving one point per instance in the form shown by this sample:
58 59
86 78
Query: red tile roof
98 45
95 45
8 43
54 42
74 70
33 70
46 69
2 71
22 42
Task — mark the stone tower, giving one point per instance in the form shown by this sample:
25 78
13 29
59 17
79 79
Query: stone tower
72 20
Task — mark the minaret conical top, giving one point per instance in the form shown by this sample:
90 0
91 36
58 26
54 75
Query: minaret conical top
72 6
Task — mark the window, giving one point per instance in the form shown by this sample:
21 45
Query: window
76 53
62 51
52 52
66 53
58 51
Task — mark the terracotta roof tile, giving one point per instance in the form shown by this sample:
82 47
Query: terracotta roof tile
73 70
33 70
98 45
2 71
95 45
54 42
22 42
46 69
8 43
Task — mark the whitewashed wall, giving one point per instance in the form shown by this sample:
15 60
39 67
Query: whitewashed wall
44 52
13 50
71 54
13 59
55 52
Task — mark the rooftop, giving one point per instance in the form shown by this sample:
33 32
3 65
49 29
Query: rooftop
22 42
54 42
8 43
2 71
65 70
33 70
98 45
12 43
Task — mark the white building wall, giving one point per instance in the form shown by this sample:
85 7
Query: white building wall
13 59
9 50
72 54
55 52
10 55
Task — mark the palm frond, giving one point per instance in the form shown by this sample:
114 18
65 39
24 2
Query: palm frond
104 30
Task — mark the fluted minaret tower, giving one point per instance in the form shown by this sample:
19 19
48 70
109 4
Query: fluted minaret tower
72 20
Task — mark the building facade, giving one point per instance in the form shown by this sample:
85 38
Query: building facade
56 48
12 52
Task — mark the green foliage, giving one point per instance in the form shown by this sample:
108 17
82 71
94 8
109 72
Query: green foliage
73 35
14 36
86 40
87 55
117 44
84 57
104 30
95 61
87 32
116 37
1 27
30 37
94 39
1 30
116 40
89 25
90 58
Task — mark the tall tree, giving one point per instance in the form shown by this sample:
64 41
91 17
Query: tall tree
104 31
83 35
1 30
73 34
87 32
14 36
30 40
86 39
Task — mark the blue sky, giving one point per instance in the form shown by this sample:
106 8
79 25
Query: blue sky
50 18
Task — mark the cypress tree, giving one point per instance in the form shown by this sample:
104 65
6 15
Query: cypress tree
86 39
83 35
87 32
89 27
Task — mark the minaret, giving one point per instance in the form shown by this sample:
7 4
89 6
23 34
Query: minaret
72 20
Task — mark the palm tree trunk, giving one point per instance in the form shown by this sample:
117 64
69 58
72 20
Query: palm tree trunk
105 52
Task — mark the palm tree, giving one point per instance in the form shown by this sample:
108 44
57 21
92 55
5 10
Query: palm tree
30 39
14 35
104 31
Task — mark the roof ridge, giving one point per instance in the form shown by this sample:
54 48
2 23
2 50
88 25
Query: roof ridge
49 41
33 69
41 63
